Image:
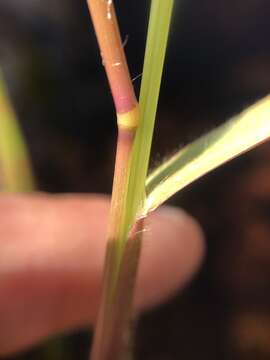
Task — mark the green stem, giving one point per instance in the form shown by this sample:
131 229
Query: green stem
126 224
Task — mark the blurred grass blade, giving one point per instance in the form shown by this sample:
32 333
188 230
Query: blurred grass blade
236 136
15 169
156 45
16 176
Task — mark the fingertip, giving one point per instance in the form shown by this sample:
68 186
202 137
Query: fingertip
56 252
173 249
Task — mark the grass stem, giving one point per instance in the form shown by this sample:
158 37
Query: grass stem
135 130
109 339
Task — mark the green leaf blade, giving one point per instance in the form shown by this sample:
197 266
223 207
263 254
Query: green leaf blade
222 144
157 39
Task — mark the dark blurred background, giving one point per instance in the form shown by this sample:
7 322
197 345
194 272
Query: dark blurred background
218 63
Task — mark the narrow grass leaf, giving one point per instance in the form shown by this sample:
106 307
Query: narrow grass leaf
231 139
156 45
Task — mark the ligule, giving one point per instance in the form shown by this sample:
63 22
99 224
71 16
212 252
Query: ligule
129 120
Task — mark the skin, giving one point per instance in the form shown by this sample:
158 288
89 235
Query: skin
52 251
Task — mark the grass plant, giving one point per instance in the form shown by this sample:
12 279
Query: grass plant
134 196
